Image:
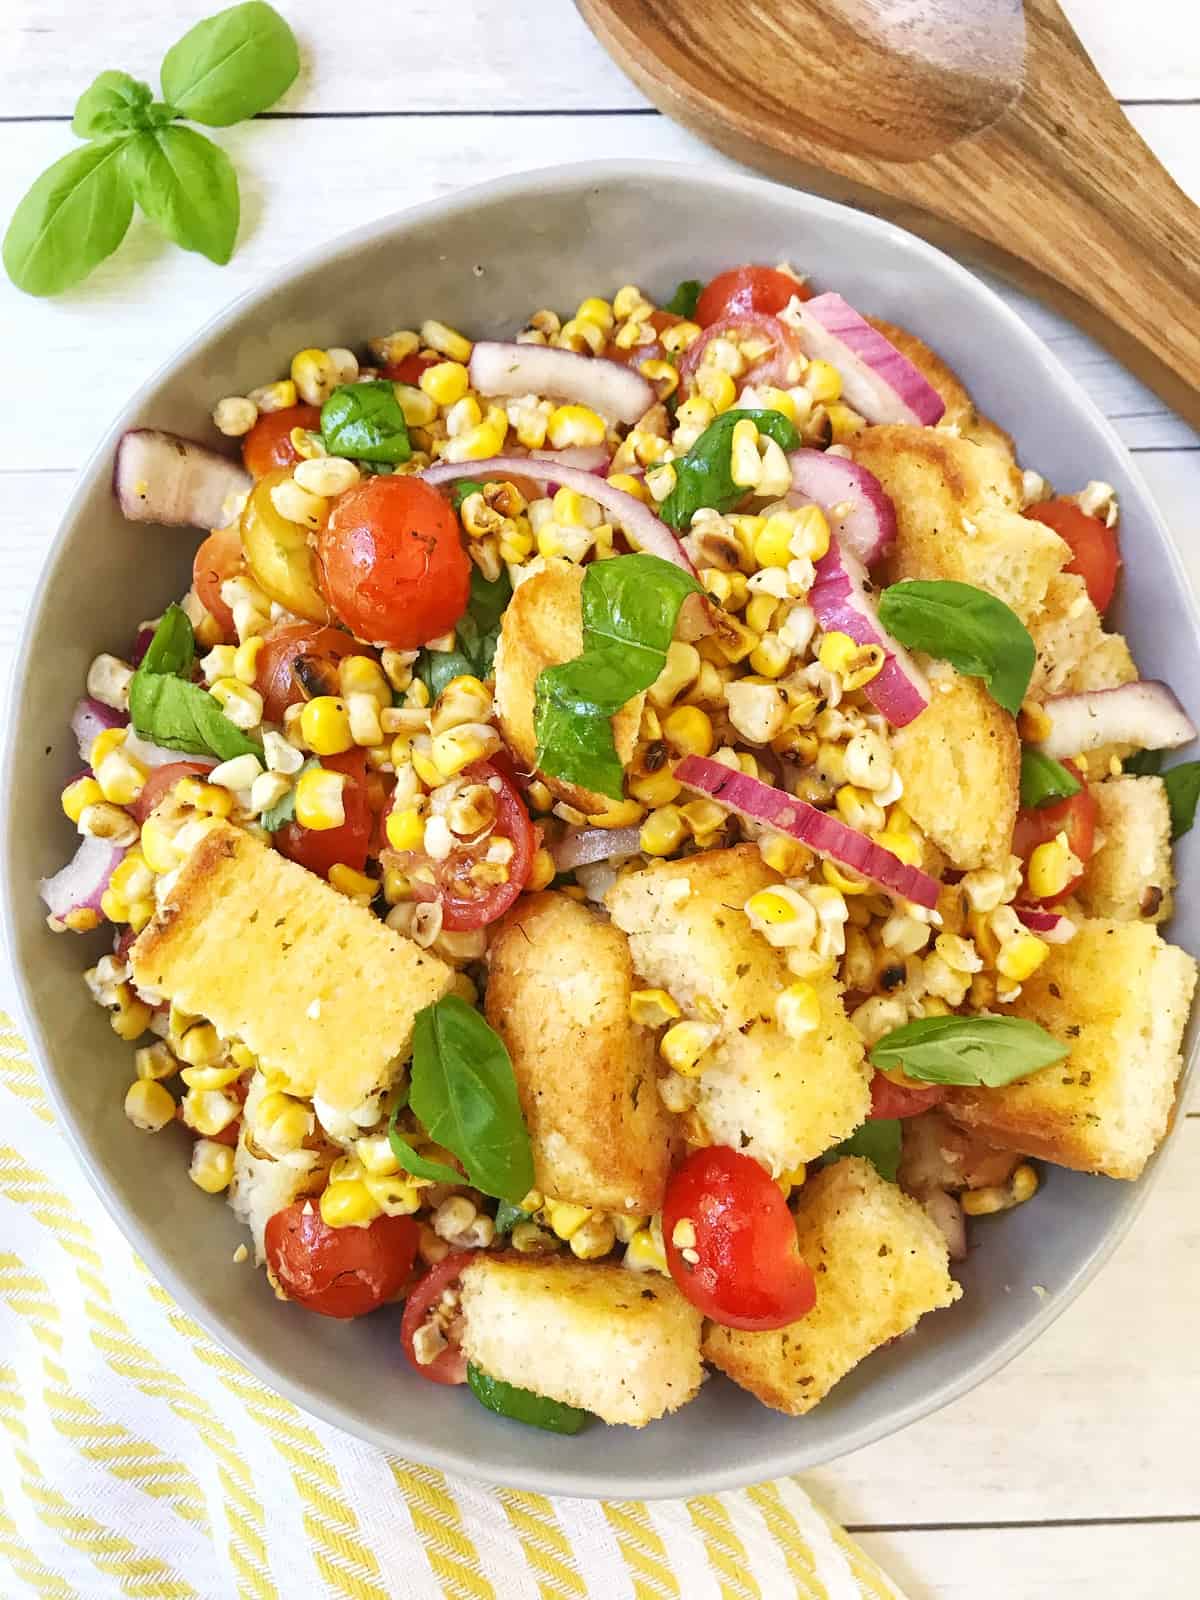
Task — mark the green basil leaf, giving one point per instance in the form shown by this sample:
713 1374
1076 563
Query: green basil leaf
630 606
1044 780
1183 791
464 1094
437 668
183 716
522 1405
74 216
703 477
186 185
284 811
460 491
477 633
1144 763
686 298
877 1140
115 103
508 1215
173 647
417 1166
969 628
364 422
984 1050
231 66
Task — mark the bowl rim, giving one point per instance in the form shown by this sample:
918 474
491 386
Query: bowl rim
697 1478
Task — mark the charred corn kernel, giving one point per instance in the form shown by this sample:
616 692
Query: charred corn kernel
575 425
471 810
1033 723
319 801
376 1156
683 1046
445 340
445 383
391 348
120 777
681 670
745 464
464 700
77 796
664 375
148 1105
155 1061
719 389
1052 866
689 730
735 640
348 1204
542 871
823 381
770 656
594 1239
565 1219
209 1111
240 703
705 818
282 1123
845 423
645 1253
798 1009
103 820
104 744
354 885
314 375
405 829
206 797
784 855
958 953
1023 1183
198 1045
656 788
653 1007
394 1194
131 1017
211 1167
211 1077
843 879
663 831
280 396
459 746
1020 958
325 725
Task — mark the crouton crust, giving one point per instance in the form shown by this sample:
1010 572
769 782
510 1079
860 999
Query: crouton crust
1074 654
542 626
960 412
621 1344
960 763
1118 996
880 1265
1131 875
560 980
318 987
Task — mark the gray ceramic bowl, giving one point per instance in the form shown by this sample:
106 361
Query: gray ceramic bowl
482 260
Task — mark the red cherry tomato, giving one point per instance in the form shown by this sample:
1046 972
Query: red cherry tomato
890 1099
747 289
410 369
392 562
1076 816
218 558
268 445
340 1272
316 649
660 321
161 780
450 1365
749 1272
775 366
318 849
1095 555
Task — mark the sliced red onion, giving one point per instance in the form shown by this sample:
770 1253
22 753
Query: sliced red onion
91 718
819 830
946 1213
580 847
164 478
79 885
853 499
157 755
516 369
880 383
772 368
1048 925
840 600
141 643
1145 714
584 457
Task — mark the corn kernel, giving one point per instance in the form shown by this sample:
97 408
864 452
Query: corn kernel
565 1219
786 856
575 425
348 1204
354 885
772 547
131 1017
211 1166
325 725
594 1239
240 703
460 746
717 388
314 375
745 464
689 730
445 383
823 381
120 777
210 1077
446 341
148 1105
1033 723
645 1253
1052 866
319 798
209 1111
405 829
653 1007
199 1045
1020 957
683 1046
77 796
656 789
394 1194
280 396
104 743
663 831
211 798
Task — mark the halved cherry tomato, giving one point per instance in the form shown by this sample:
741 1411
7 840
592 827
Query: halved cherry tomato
773 367
340 1272
410 369
748 1271
160 781
450 1365
660 321
269 445
318 849
1095 554
890 1099
218 558
392 562
1076 816
279 554
295 651
747 289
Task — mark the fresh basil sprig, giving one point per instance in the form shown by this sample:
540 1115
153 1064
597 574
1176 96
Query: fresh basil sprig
1182 784
630 606
966 626
984 1050
464 1094
686 298
460 491
476 634
508 1215
878 1140
1044 780
704 476
226 69
1143 763
166 708
364 422
522 1405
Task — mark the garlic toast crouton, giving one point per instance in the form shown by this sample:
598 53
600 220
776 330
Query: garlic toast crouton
960 763
960 412
880 1265
316 986
558 995
542 626
1119 998
1074 654
621 1344
1130 875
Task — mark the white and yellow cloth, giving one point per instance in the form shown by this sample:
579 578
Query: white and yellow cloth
138 1459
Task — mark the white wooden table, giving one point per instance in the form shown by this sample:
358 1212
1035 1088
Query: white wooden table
1072 1473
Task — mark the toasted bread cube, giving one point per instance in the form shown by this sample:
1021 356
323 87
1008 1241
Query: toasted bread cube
318 987
623 1345
958 515
1119 998
880 1265
1074 654
782 1100
542 627
960 414
1130 875
558 995
960 763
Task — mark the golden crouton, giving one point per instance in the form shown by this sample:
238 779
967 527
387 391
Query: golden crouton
621 1344
318 987
958 515
960 412
1074 653
783 1100
960 762
880 1265
1118 997
558 995
543 627
1131 874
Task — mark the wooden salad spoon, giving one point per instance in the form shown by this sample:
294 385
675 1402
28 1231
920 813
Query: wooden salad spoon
970 121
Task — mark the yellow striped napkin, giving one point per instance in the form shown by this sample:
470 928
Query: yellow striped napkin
138 1459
